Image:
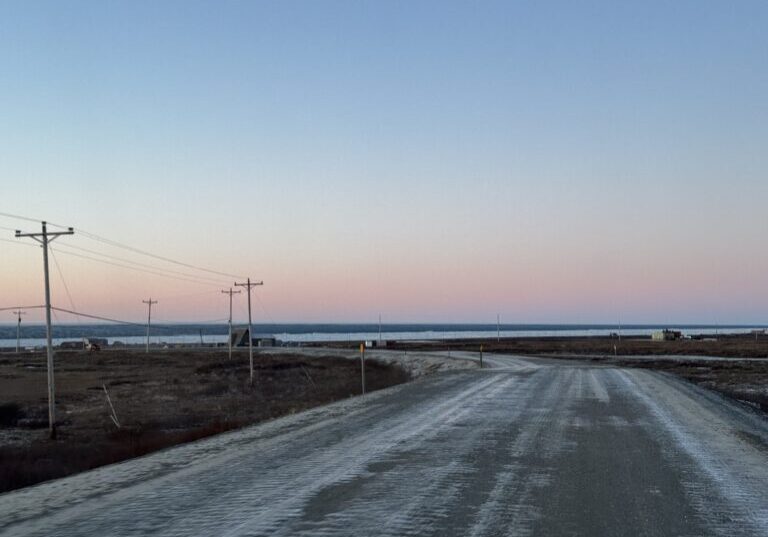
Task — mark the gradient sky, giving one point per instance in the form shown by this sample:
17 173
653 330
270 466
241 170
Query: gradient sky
432 161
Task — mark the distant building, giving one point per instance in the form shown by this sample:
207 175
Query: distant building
240 339
667 335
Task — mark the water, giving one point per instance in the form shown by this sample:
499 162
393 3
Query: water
34 335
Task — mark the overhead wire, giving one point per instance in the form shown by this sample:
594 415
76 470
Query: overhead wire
264 309
102 318
116 244
186 295
145 265
211 321
18 217
20 243
143 325
199 282
124 263
63 281
21 308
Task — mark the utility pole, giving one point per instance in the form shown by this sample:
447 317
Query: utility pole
18 330
362 366
149 317
230 293
248 285
45 238
619 330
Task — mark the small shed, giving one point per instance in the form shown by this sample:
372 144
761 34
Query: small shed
240 339
667 335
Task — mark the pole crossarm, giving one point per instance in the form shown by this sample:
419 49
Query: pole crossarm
51 235
249 284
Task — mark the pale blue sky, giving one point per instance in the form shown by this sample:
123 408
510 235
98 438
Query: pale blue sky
555 161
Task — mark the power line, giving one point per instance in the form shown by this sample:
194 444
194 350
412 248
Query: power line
117 244
185 295
102 318
21 308
153 267
118 321
63 281
184 323
263 308
17 243
25 218
199 282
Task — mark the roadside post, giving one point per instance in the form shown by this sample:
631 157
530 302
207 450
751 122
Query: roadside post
362 365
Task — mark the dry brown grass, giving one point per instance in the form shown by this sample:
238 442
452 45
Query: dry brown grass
736 346
161 399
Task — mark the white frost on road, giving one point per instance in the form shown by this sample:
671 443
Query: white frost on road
524 448
698 427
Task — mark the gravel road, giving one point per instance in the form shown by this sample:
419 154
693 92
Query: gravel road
527 447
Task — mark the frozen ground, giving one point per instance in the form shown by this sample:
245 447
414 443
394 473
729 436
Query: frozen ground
527 447
417 363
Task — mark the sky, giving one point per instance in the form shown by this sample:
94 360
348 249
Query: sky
558 162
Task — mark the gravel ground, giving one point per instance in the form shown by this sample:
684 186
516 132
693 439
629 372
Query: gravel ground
526 447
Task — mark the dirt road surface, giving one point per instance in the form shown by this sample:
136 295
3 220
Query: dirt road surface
527 447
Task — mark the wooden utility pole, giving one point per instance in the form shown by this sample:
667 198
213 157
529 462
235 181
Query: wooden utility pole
18 313
230 293
362 366
45 238
149 317
248 285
